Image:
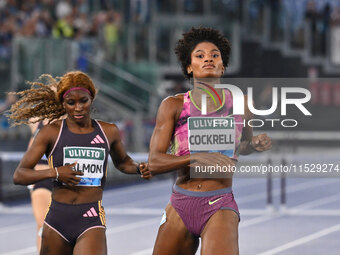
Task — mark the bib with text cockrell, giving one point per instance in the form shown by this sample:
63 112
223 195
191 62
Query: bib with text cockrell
90 161
212 134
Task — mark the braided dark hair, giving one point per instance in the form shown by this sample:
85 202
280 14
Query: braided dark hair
42 102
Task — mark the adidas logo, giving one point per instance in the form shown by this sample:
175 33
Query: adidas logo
90 213
97 139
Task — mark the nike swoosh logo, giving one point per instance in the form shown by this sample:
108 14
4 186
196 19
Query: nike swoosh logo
213 202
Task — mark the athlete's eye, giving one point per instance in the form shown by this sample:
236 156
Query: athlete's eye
215 55
84 100
199 56
70 102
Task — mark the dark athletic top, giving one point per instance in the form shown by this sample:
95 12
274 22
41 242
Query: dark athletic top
89 150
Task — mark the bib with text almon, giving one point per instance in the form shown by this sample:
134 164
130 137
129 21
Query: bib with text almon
211 134
90 161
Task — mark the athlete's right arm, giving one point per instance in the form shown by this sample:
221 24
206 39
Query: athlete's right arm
25 173
159 160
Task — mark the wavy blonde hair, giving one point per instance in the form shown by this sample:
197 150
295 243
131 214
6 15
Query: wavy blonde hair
44 100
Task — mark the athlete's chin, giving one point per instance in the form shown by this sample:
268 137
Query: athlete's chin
209 76
80 119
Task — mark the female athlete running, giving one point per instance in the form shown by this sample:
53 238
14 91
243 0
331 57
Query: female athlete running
77 149
200 207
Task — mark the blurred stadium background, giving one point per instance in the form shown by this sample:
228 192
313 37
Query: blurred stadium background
126 46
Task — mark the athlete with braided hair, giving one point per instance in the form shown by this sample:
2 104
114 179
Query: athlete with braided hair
77 148
200 207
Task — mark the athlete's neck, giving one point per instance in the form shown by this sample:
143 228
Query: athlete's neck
84 126
207 86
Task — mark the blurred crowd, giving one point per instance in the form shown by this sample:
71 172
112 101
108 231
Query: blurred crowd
101 19
319 15
320 19
59 19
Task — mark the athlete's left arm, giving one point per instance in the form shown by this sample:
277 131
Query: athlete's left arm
122 161
250 143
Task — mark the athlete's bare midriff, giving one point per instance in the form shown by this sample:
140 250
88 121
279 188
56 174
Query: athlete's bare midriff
77 195
184 181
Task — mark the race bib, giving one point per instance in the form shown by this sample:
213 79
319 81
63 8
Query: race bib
90 161
212 134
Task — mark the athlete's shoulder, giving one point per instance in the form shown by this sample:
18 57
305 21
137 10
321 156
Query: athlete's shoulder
177 97
171 106
49 132
105 124
110 130
173 101
52 127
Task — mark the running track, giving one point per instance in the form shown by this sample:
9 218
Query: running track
309 225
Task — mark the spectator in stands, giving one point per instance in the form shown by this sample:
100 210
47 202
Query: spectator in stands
43 24
63 28
111 33
325 21
276 28
313 16
63 9
49 6
82 25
